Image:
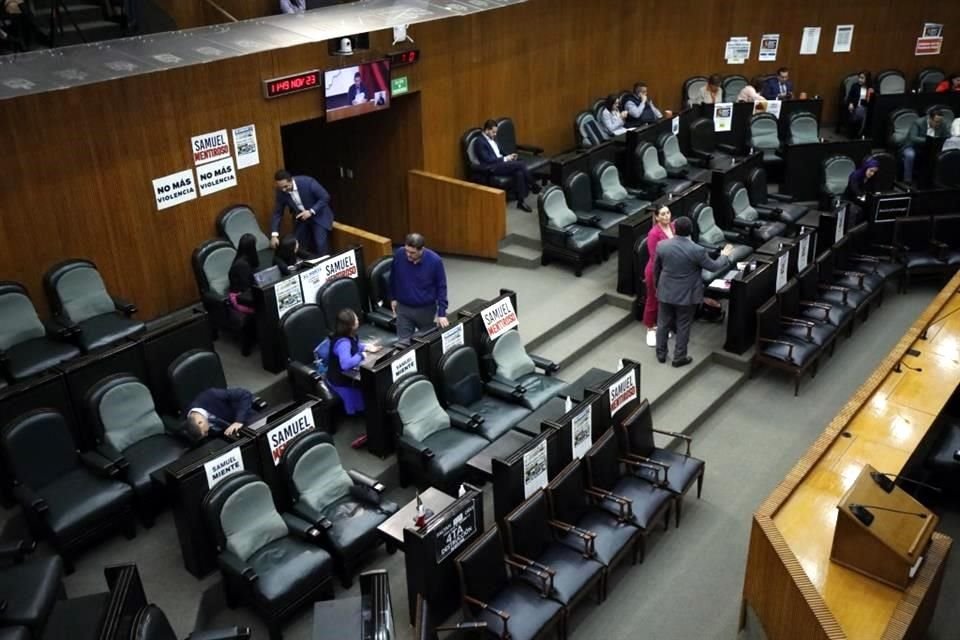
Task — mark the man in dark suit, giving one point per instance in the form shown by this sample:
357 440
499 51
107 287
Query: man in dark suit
356 89
220 411
677 272
489 156
779 87
921 132
310 204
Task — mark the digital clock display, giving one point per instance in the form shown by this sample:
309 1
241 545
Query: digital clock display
404 57
291 84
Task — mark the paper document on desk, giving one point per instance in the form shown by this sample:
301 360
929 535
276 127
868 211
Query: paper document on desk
720 283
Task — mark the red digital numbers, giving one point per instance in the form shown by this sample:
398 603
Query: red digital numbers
404 57
291 84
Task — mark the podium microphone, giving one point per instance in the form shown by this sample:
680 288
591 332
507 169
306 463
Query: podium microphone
861 512
900 362
887 481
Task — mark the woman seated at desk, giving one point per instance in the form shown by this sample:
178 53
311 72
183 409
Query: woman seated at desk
612 116
289 256
858 98
861 183
245 264
346 354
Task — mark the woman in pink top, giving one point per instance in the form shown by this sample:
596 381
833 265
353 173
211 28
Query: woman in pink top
662 230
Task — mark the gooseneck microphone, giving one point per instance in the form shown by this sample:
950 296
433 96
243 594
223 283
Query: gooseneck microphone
861 512
887 481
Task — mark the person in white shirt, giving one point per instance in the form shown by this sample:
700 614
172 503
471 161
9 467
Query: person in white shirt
953 142
857 99
488 155
750 94
712 92
642 110
612 116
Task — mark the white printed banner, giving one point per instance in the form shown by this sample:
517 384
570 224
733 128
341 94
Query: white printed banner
499 318
342 265
288 294
245 145
452 337
174 189
581 432
402 365
216 176
209 147
535 469
722 116
623 391
223 466
279 437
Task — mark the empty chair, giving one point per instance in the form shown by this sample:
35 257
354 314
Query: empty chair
676 164
79 299
815 294
426 629
588 131
804 128
510 364
785 209
928 79
348 505
946 171
946 238
150 623
861 277
27 345
765 137
211 263
131 434
650 171
29 587
239 219
872 250
579 195
680 470
900 121
779 350
527 154
301 331
344 293
509 596
732 85
641 502
748 217
535 539
562 235
890 81
836 287
433 445
269 562
69 498
378 279
804 320
692 87
914 238
494 405
703 141
476 171
835 173
711 236
606 182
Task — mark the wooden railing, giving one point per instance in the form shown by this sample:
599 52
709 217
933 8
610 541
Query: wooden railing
374 246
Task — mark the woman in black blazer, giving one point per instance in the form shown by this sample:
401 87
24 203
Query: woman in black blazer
289 255
858 97
245 264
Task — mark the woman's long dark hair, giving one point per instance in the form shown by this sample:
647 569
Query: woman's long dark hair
610 102
345 320
247 249
287 251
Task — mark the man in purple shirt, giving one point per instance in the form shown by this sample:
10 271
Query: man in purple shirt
418 288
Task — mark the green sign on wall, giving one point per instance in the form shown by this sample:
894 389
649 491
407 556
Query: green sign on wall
398 85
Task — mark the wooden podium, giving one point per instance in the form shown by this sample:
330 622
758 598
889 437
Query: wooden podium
882 544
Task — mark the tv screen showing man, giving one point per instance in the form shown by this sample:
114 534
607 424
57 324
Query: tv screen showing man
357 90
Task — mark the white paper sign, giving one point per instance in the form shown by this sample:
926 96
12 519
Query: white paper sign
535 469
499 318
209 147
932 30
222 466
841 224
342 265
623 391
581 432
773 107
402 365
174 189
452 337
245 145
216 176
279 437
737 50
289 295
310 282
722 116
783 262
810 41
675 125
804 252
769 43
843 38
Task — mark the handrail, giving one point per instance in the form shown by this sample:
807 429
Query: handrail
221 10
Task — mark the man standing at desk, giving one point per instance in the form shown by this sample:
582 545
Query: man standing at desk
220 411
310 204
923 128
418 288
780 87
357 92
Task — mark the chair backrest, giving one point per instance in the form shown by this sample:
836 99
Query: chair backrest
836 174
804 128
947 170
891 81
239 219
413 400
739 201
19 317
757 186
192 372
482 570
707 229
467 142
301 330
506 136
928 79
76 290
603 466
789 296
378 276
567 493
637 430
339 294
691 90
211 266
578 191
768 319
123 411
38 448
459 379
845 84
648 162
526 527
732 85
607 182
510 357
764 132
150 623
553 207
589 131
673 158
900 123
702 136
241 516
886 174
598 105
318 477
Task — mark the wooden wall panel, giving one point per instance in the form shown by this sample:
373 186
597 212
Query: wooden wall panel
78 164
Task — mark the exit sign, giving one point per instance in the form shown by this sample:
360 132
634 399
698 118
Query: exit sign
398 85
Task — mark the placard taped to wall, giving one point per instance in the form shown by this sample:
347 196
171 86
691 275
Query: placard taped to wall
174 189
208 147
216 176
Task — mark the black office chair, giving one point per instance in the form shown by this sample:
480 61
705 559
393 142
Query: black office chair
898 127
928 78
433 444
509 596
69 498
822 301
676 163
495 405
508 363
238 220
652 174
587 130
476 172
914 238
378 279
710 236
764 137
563 234
760 224
129 433
946 171
27 345
529 155
890 81
732 85
690 93
703 142
805 321
946 238
780 205
606 182
344 293
804 128
578 191
346 505
834 175
29 588
211 263
426 629
271 562
777 349
79 300
150 623
301 331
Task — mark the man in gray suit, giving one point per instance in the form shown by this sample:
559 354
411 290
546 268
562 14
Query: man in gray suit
677 270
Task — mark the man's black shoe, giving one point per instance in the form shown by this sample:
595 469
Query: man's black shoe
682 362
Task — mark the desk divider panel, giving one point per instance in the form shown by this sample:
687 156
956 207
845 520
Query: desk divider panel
746 296
163 343
375 380
430 552
739 131
437 341
579 428
527 469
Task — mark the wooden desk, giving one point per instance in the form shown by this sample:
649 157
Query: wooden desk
790 582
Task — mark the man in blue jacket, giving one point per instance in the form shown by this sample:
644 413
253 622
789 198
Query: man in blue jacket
220 411
310 204
779 87
489 156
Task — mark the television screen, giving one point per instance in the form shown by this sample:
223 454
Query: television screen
353 91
